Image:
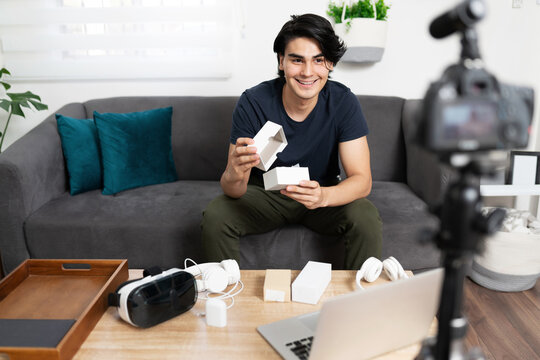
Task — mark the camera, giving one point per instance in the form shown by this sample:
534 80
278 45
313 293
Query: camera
468 109
465 115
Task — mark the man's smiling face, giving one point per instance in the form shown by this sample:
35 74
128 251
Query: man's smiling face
306 70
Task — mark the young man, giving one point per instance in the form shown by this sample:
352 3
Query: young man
321 120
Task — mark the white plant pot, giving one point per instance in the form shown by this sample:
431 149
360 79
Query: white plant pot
365 39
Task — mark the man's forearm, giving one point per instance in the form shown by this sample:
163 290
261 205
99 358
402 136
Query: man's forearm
233 185
350 189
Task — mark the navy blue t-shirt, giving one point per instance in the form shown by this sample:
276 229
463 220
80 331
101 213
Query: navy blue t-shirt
312 143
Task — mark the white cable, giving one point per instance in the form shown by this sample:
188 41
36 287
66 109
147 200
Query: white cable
221 297
393 269
194 263
221 294
200 314
224 295
370 271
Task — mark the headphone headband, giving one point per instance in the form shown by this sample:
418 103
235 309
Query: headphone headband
227 272
198 269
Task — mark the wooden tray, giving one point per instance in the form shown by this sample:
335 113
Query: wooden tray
69 293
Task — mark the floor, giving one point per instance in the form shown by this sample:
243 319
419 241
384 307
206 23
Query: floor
503 325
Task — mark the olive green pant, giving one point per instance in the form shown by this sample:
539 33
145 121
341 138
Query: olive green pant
226 219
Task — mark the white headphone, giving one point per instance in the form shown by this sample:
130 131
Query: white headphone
372 268
393 269
215 277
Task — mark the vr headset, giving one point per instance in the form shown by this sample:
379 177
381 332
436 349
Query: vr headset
157 297
162 295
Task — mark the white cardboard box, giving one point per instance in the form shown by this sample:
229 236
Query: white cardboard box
310 284
269 141
279 177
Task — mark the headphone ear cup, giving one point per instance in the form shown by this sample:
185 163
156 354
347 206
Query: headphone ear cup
393 269
370 271
215 279
232 269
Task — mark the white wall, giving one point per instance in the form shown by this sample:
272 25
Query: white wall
412 58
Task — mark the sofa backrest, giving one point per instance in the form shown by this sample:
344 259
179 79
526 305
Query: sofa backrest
386 143
201 128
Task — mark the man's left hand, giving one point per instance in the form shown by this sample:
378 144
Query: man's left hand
309 193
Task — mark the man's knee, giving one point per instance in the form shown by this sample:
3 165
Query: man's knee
218 212
363 216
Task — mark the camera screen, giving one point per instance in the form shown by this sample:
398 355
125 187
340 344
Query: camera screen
469 125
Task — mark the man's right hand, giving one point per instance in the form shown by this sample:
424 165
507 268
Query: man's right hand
242 158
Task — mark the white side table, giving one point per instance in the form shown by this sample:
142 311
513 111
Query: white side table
522 193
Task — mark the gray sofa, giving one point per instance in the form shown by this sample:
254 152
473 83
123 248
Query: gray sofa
160 224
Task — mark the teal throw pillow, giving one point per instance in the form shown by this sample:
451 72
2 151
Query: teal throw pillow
135 149
80 145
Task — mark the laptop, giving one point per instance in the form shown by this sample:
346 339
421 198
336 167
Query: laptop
361 324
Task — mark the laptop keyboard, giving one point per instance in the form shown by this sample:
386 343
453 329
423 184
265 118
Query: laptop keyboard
301 348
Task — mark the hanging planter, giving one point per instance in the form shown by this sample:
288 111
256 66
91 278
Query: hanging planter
363 27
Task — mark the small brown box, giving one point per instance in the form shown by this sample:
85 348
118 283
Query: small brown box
277 285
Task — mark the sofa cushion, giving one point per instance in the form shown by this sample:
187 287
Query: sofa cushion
135 149
168 217
80 146
406 221
164 219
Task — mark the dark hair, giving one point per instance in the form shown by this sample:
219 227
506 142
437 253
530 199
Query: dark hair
314 27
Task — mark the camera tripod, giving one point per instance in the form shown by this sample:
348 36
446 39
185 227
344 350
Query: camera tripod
462 230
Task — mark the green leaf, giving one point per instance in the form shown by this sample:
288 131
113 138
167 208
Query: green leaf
15 102
335 11
381 10
39 106
16 109
5 104
23 96
365 9
24 103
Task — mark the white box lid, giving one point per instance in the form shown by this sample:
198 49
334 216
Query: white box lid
269 141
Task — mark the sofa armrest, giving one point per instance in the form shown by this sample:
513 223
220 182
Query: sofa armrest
426 175
32 172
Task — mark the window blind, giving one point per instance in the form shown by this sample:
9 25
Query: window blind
118 39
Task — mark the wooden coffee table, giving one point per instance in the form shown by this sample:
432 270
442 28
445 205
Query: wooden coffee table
188 337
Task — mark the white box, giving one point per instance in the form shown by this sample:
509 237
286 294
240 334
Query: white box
310 284
269 141
278 178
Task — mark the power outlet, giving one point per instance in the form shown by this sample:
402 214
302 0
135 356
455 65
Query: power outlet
517 4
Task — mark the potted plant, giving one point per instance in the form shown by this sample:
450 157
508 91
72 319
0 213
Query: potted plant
13 103
363 26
